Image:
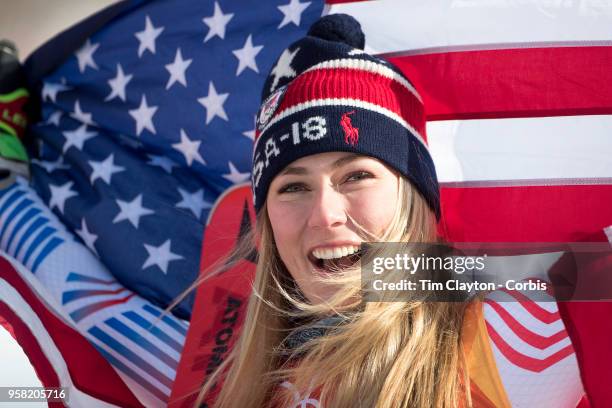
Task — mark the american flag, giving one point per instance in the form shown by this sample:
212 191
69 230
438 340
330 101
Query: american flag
148 123
147 126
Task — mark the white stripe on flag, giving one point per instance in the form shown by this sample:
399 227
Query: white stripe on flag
569 148
398 25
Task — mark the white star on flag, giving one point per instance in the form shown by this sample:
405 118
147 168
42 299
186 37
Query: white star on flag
213 103
144 116
246 55
292 12
118 84
193 201
84 55
147 37
234 175
250 134
161 161
177 70
59 195
51 166
131 211
54 118
77 137
104 169
216 23
87 236
81 116
160 256
283 69
189 148
50 90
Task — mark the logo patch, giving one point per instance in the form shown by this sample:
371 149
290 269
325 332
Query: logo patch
351 134
269 106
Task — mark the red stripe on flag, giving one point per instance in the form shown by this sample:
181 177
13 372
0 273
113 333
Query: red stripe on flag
533 308
569 213
7 326
44 370
89 371
502 83
521 360
356 84
532 338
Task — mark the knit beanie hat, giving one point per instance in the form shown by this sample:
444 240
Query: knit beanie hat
325 94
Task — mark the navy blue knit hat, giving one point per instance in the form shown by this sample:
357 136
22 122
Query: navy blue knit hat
326 94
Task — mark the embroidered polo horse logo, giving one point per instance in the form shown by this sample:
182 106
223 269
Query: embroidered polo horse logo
351 134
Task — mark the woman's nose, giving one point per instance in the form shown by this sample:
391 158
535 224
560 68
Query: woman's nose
328 209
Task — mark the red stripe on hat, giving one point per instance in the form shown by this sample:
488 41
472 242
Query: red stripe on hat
503 83
328 83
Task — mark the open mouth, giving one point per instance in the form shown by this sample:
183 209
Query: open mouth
331 265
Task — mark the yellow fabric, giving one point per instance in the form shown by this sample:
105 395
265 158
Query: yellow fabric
486 386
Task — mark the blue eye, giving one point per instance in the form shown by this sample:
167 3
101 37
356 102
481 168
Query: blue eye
356 176
288 187
360 175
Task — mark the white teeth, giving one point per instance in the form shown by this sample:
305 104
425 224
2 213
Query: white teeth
337 252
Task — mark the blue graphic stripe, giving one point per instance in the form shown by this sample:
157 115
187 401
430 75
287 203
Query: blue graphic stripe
132 374
142 342
154 330
29 232
131 356
77 277
8 189
51 245
21 222
22 206
40 238
11 199
169 321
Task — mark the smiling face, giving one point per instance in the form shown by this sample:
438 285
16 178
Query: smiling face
308 205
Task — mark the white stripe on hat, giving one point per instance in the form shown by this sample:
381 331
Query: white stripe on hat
343 102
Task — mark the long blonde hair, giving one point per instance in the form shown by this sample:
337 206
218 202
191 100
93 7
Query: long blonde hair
386 354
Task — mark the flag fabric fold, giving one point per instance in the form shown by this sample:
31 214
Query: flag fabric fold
141 155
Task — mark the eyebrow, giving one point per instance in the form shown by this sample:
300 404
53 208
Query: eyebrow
338 163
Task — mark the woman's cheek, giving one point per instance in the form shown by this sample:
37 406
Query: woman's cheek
375 210
284 230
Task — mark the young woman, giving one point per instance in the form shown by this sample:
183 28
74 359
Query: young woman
340 159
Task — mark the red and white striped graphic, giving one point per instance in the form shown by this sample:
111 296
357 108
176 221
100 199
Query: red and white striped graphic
533 352
61 356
